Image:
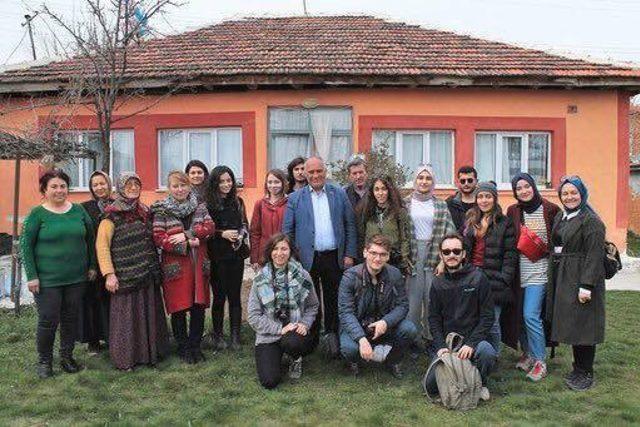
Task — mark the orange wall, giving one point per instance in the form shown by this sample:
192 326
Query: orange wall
591 133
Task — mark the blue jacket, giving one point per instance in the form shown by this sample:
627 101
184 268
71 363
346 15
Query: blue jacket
356 300
299 225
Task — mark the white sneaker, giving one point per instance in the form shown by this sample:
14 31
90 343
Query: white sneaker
484 394
538 372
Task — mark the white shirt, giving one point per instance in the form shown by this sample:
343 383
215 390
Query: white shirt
422 216
324 238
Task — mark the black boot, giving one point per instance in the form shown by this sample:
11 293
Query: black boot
179 329
217 339
44 368
196 329
68 363
235 318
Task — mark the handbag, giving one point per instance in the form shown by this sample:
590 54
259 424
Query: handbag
531 245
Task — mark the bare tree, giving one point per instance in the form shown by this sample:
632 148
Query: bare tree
101 43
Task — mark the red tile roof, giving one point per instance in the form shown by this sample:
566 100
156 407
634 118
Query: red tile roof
347 46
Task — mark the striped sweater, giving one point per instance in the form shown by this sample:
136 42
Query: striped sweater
532 273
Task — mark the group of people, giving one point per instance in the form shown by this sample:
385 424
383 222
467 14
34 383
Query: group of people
369 274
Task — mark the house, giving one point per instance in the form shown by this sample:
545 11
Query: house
264 90
634 160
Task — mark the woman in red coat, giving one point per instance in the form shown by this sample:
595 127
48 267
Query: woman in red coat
180 227
268 214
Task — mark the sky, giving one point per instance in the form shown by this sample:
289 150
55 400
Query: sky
599 30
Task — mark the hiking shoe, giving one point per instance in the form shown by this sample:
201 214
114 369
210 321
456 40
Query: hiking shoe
396 371
538 372
44 369
571 375
295 369
218 343
582 381
353 368
484 394
525 363
69 365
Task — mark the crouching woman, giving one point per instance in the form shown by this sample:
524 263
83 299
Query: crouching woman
282 307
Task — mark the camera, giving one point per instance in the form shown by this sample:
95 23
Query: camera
283 316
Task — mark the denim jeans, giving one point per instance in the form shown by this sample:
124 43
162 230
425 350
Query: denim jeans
418 288
495 334
532 337
484 358
399 338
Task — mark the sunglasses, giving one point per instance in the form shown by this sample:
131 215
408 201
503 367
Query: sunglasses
447 252
467 181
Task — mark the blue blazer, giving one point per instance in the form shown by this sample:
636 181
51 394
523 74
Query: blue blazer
299 225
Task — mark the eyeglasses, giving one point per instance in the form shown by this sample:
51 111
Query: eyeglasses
378 254
467 181
447 252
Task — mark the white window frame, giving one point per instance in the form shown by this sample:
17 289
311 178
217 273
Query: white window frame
426 150
524 150
81 161
185 147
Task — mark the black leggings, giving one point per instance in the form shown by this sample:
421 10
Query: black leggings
226 283
196 326
583 356
58 305
269 356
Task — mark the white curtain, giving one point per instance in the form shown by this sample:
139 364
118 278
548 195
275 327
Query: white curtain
486 156
440 156
201 147
321 127
283 148
122 152
412 151
230 151
511 157
171 152
539 157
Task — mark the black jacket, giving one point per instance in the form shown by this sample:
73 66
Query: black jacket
500 258
461 302
353 196
356 301
458 210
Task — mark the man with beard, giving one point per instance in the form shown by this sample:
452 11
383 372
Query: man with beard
464 198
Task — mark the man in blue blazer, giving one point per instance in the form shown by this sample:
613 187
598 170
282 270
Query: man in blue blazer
320 220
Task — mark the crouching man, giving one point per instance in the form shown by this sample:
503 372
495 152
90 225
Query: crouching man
373 306
460 301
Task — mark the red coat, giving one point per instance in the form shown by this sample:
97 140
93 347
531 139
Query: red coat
185 270
266 221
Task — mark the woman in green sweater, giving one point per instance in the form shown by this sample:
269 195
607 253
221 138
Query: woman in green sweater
57 245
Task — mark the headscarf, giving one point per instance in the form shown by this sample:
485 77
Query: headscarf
417 194
532 205
122 204
582 189
178 209
102 203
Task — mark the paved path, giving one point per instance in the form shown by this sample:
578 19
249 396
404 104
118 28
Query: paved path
627 279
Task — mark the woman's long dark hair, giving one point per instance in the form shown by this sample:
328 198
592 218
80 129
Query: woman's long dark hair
394 202
198 164
271 244
474 216
214 199
292 164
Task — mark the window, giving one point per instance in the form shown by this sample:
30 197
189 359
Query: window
122 156
295 132
414 148
501 155
220 146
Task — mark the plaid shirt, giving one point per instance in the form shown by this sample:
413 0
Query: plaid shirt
442 225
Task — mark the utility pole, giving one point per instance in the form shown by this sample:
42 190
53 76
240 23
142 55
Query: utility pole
304 6
28 18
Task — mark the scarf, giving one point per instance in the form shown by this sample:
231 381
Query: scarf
532 205
124 205
422 197
177 209
286 288
582 189
102 203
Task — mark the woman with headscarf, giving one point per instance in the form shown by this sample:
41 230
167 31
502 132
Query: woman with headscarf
575 293
198 176
94 316
490 243
129 261
181 226
431 222
532 217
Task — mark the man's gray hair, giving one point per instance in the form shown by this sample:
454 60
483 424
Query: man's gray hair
356 161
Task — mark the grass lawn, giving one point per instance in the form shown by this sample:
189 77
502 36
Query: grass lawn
224 390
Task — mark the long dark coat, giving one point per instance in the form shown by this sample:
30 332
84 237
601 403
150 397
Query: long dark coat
513 316
580 264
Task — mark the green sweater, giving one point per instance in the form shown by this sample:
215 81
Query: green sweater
57 248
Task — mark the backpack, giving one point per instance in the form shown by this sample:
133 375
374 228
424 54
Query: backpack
459 381
612 262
